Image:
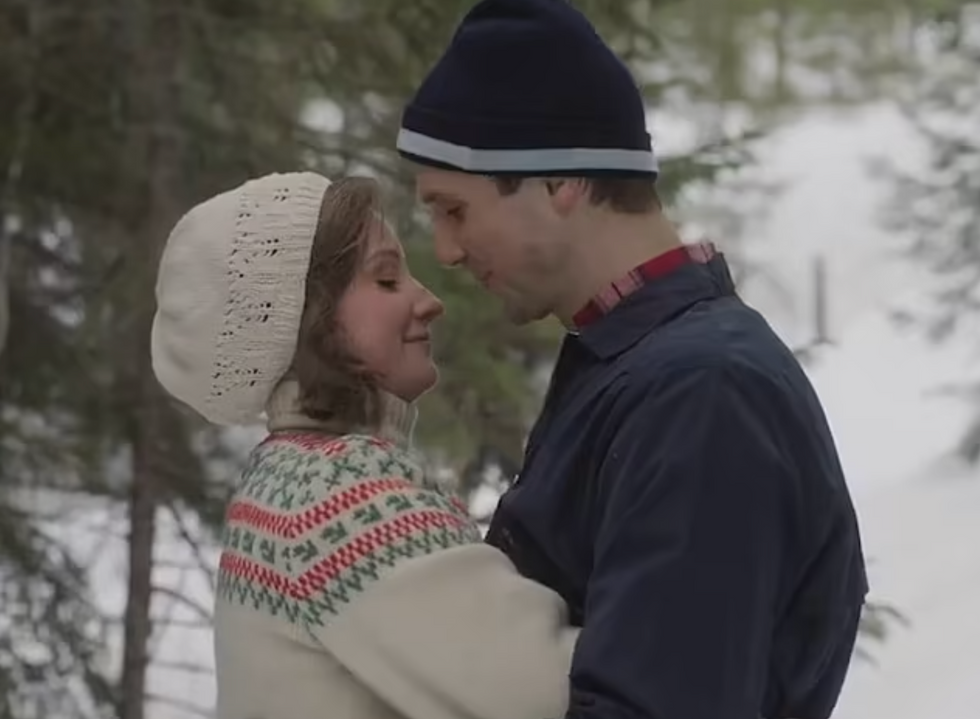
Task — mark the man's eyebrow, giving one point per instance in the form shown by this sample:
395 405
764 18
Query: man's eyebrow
431 197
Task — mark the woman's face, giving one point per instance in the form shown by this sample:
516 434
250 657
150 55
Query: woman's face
385 316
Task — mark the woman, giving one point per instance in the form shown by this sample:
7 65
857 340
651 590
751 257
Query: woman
351 586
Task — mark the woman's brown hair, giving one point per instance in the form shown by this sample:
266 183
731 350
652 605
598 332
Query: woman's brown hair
334 385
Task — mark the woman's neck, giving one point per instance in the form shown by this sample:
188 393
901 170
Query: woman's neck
284 414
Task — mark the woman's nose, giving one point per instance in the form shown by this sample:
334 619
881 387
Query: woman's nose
429 306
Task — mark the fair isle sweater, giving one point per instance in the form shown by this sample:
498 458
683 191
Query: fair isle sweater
351 587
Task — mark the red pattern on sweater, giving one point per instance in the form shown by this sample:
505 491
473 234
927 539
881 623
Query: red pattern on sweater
290 526
329 568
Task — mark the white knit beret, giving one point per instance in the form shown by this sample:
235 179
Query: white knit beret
230 293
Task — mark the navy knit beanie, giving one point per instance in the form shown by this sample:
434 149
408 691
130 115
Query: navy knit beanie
527 87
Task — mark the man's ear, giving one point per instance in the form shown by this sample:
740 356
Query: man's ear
566 193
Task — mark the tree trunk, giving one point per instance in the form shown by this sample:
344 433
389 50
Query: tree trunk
4 300
138 624
24 117
153 44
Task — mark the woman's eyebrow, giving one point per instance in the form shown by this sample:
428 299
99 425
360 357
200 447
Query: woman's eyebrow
384 254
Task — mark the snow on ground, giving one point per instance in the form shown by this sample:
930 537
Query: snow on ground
923 538
918 508
881 389
182 662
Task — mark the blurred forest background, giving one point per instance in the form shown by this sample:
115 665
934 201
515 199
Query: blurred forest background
117 115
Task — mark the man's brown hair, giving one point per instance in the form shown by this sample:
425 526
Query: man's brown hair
334 385
629 195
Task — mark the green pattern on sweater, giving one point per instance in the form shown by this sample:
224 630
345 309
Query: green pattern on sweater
318 521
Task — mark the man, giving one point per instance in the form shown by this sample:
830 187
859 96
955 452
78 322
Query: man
681 488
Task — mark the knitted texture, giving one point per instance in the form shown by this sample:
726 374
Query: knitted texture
527 87
317 521
230 293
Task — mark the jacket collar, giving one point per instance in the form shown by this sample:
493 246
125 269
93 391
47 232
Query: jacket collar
655 303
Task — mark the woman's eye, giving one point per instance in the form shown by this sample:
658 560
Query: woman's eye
388 284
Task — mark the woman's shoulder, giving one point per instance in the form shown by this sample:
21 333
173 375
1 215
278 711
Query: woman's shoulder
355 448
316 518
301 482
306 465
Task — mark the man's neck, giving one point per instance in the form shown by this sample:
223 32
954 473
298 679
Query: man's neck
609 252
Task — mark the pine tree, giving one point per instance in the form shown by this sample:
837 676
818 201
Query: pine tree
936 207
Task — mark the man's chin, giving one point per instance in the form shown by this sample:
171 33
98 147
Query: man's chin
520 315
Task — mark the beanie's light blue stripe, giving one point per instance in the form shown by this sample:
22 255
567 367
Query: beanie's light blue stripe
537 160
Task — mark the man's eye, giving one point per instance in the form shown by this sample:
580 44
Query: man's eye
455 212
388 284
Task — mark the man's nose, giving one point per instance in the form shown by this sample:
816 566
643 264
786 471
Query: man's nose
447 249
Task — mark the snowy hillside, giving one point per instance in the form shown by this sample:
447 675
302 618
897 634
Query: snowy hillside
919 511
924 538
180 680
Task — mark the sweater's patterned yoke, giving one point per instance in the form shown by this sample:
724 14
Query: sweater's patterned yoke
318 520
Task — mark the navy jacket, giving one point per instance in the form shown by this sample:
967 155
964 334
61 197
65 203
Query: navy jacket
682 491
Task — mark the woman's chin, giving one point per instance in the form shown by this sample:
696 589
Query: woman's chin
427 380
412 385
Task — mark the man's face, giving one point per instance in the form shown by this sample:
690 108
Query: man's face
512 244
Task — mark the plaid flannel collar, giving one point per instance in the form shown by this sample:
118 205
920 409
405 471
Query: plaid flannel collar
659 266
